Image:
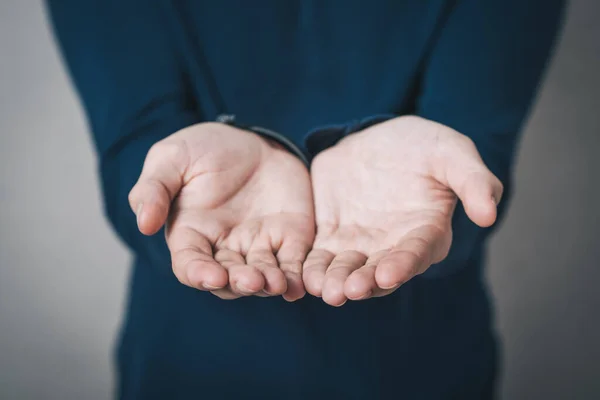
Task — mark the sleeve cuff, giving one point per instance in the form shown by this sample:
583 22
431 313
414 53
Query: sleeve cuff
268 134
323 137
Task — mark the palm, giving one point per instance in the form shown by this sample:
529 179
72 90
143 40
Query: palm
243 220
382 218
370 214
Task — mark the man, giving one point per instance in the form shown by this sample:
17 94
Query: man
401 108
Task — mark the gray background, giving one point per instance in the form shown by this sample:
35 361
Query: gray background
63 274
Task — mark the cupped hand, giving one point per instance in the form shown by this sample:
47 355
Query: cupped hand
239 210
384 200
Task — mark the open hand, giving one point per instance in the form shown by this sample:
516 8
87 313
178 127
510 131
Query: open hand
239 210
384 200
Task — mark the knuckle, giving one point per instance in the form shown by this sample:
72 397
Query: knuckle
157 185
467 142
292 267
263 259
421 246
131 196
500 185
438 230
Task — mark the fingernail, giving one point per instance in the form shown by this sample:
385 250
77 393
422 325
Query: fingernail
396 286
243 289
364 296
210 287
138 213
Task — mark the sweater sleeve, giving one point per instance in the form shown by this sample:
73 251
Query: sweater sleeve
480 79
133 90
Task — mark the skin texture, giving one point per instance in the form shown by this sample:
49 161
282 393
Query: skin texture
384 200
238 209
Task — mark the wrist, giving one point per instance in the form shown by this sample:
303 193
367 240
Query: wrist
274 139
328 136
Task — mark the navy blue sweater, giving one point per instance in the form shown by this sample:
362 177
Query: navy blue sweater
145 69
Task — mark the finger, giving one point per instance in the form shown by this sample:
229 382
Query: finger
192 260
467 175
480 193
313 270
226 259
264 260
245 280
412 256
290 256
335 278
226 294
361 283
158 184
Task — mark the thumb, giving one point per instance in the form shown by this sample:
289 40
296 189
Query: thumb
479 190
160 181
480 193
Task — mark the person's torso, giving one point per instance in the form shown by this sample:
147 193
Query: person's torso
430 340
295 65
292 66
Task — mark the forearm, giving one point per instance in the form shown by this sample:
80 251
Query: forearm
481 79
133 92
